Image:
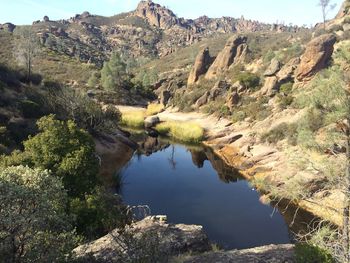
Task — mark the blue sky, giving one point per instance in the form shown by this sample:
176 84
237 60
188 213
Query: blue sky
289 11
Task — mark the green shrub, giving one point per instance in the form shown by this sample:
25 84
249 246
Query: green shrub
307 253
281 132
249 80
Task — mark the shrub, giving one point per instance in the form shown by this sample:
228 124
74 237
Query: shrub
34 224
280 132
249 80
182 131
307 253
154 108
30 109
134 119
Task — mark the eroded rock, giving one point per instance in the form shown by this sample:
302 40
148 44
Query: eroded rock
274 67
200 67
316 56
232 52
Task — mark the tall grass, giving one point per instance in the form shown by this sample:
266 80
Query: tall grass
134 119
154 108
182 131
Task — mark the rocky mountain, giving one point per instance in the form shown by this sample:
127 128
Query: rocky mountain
149 31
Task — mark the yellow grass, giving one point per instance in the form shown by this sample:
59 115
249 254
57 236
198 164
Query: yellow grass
154 108
182 131
134 119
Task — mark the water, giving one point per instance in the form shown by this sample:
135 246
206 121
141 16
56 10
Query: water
193 186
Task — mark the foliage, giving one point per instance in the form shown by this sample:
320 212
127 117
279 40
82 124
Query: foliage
248 80
33 224
307 253
134 119
68 103
93 81
98 213
154 108
281 132
30 109
182 131
253 109
113 73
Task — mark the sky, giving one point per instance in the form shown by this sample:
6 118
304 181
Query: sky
298 12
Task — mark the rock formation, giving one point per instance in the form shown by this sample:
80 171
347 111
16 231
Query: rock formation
200 67
8 27
344 10
156 14
274 67
174 240
316 56
232 52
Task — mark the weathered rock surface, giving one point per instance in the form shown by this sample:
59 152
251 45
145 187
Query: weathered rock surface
274 67
151 121
270 86
232 100
202 100
9 27
220 88
200 67
287 71
344 10
173 240
232 52
164 97
265 254
316 56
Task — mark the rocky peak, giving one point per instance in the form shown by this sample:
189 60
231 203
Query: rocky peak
200 66
156 14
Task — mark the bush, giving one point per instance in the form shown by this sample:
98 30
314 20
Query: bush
185 132
134 119
253 109
281 132
249 80
307 253
30 109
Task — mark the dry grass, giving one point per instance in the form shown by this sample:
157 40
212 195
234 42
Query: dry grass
154 108
134 119
182 131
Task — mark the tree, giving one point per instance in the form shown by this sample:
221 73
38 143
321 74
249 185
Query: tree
33 224
67 151
326 7
113 73
93 81
26 49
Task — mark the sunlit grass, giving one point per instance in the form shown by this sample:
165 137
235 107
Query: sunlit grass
154 108
182 131
134 119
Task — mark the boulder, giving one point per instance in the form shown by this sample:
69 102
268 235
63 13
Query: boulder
46 19
151 234
316 56
287 71
231 53
8 27
202 100
270 87
151 121
164 97
232 100
220 88
274 67
200 66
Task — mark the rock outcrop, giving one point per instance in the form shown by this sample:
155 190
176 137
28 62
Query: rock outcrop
200 67
233 52
316 56
151 234
344 10
156 14
8 27
266 254
274 67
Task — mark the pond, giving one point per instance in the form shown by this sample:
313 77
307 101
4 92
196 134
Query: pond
191 185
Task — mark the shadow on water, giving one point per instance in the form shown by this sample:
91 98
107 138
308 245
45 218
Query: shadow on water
192 185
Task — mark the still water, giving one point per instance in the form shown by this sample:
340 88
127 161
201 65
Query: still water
191 185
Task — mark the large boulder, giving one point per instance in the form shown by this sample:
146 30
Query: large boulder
270 87
316 56
274 67
232 100
151 235
220 88
151 121
202 100
200 67
233 52
164 97
287 71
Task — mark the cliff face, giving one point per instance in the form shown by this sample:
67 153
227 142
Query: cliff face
151 30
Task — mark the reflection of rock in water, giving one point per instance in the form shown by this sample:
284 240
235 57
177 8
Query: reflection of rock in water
299 221
151 145
198 158
226 174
